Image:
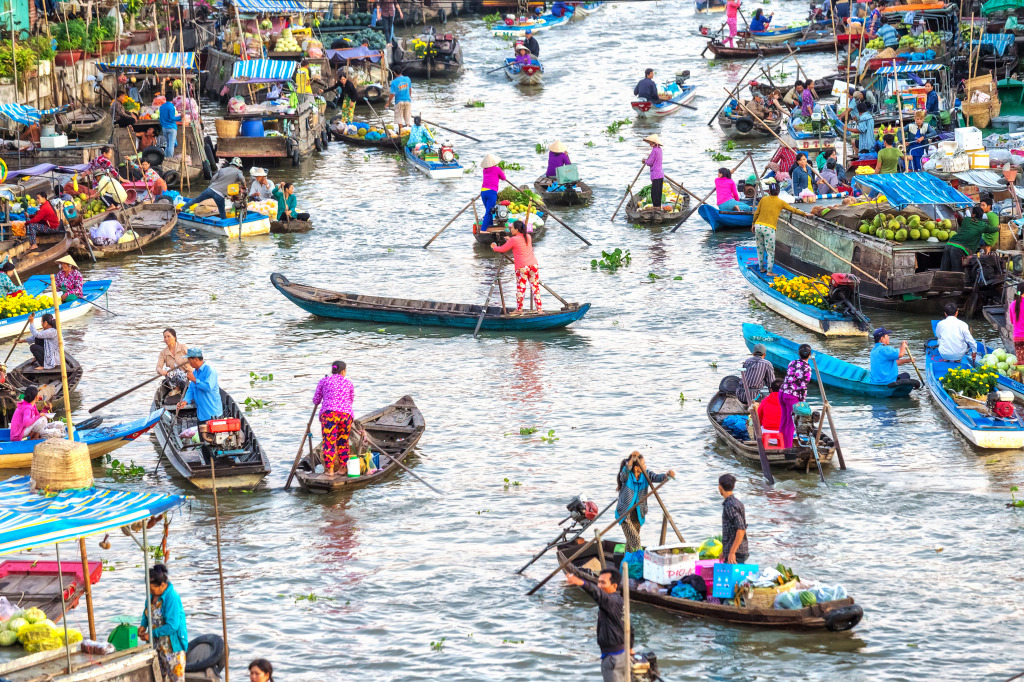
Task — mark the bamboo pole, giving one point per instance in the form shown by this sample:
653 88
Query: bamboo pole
664 509
627 659
88 589
184 108
849 99
63 604
63 364
220 567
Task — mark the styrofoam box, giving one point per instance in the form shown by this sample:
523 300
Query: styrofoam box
980 160
663 567
968 138
53 141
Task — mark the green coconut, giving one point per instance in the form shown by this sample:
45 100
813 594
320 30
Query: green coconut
901 235
915 234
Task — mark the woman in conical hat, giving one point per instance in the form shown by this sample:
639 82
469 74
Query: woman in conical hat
657 174
69 280
557 157
489 188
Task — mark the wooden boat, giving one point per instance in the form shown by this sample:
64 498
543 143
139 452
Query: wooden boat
385 310
971 418
725 220
835 373
578 194
150 221
86 120
786 35
40 284
24 155
396 428
433 167
290 226
656 215
524 74
253 224
493 233
518 28
138 664
753 49
48 382
389 144
35 583
826 322
582 10
678 96
741 125
240 468
837 615
43 259
707 6
101 441
1004 382
996 316
201 161
445 62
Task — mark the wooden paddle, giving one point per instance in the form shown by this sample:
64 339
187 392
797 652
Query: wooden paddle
483 309
298 455
827 409
133 388
463 210
370 441
450 130
15 344
706 197
627 192
393 140
919 375
664 509
550 214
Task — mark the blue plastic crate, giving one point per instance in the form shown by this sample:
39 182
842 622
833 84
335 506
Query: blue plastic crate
727 576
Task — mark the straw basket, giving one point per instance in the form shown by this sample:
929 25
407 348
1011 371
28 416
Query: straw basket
980 113
764 597
1007 240
227 128
59 464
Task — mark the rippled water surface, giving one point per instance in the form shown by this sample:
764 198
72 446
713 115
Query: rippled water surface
389 569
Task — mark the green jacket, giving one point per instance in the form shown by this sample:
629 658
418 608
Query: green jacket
284 205
992 239
969 235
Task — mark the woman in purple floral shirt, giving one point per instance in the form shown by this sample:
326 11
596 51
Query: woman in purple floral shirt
793 391
335 395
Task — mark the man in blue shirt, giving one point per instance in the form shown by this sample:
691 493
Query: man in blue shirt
885 359
168 127
401 95
203 388
647 89
889 36
865 129
931 102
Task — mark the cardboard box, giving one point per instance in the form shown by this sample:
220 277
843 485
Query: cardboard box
663 567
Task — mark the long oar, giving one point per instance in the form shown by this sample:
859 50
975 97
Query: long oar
706 197
827 409
461 211
919 375
483 310
298 455
556 542
22 332
106 310
383 126
370 441
627 192
451 130
551 215
130 390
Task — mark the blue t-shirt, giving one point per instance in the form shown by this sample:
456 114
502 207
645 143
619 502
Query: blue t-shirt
889 36
168 115
401 88
883 364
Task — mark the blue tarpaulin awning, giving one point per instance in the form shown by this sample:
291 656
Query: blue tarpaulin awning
30 519
359 52
1000 41
908 68
159 60
271 7
26 115
906 189
262 70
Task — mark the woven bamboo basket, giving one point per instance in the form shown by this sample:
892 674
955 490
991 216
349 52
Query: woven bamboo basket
59 464
980 113
227 127
764 597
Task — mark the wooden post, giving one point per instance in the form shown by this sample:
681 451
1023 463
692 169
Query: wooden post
220 564
625 621
600 549
63 603
664 531
88 589
827 409
63 364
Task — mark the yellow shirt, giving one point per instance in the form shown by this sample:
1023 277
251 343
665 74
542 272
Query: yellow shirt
769 208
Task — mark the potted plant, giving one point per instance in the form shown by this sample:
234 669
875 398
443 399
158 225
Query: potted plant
25 62
70 39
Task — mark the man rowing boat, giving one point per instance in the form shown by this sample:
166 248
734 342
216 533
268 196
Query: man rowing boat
203 388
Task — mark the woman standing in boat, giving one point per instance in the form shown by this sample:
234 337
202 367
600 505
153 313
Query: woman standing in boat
168 625
173 355
632 486
1015 318
524 262
657 174
732 8
766 218
793 391
489 189
335 395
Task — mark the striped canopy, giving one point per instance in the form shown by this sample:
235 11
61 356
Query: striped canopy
264 70
271 7
908 68
159 60
1000 41
905 189
29 519
26 115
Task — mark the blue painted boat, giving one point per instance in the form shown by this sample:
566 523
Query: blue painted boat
253 224
524 74
518 29
835 373
970 418
1012 385
101 441
40 284
384 310
433 167
725 220
826 322
679 95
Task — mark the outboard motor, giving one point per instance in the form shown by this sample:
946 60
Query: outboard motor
681 77
446 154
644 667
844 297
1000 404
582 510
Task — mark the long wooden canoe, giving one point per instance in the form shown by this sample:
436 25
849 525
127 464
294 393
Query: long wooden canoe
385 310
151 222
656 215
40 260
397 428
578 195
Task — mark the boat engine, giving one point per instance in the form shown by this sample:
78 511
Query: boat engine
644 667
222 436
446 154
1000 404
681 77
844 297
501 213
582 510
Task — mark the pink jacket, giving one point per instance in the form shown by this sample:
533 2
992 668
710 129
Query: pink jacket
491 177
732 9
522 252
725 189
1015 322
25 415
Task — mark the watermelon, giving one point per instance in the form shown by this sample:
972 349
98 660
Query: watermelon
807 598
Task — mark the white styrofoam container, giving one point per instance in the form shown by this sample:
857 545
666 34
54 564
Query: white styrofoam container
968 138
663 567
53 141
980 159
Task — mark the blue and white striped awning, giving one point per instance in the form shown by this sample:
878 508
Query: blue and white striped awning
908 68
263 70
26 115
30 519
1000 41
906 189
271 7
159 60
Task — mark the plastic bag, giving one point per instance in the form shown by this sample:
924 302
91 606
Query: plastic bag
825 593
37 632
788 600
635 561
7 610
710 549
74 636
46 644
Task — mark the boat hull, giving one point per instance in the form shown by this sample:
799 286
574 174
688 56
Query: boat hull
254 224
101 441
531 74
654 111
548 21
435 171
725 220
12 326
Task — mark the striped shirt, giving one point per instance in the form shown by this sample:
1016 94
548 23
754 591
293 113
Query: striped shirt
758 373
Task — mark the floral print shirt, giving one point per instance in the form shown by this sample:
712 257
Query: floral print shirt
70 282
334 393
798 375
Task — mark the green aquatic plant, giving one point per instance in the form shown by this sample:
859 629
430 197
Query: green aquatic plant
550 438
1014 501
540 148
120 471
511 484
505 165
438 646
613 128
612 261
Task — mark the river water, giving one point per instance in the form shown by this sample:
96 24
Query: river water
396 582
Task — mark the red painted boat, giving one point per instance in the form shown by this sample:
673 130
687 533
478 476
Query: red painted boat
38 583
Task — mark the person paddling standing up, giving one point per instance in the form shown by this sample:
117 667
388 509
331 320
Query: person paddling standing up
492 173
631 509
525 264
734 523
401 95
654 160
611 635
766 218
732 8
1015 317
335 395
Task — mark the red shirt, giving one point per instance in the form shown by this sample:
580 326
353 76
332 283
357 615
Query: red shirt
769 411
47 215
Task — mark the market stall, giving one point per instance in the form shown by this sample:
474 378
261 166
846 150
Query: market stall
368 70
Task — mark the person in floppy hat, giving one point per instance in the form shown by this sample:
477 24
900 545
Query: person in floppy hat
230 174
523 56
203 388
557 157
489 188
262 188
657 174
69 279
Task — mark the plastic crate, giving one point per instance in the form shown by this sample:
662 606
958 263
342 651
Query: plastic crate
727 576
705 568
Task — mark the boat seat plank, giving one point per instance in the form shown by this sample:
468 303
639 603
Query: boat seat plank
391 429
